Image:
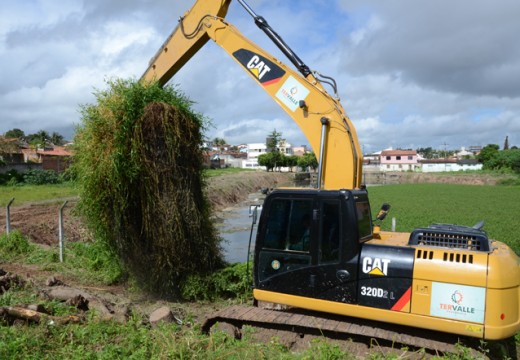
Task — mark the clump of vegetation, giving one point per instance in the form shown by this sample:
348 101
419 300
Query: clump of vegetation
507 160
232 282
14 244
138 164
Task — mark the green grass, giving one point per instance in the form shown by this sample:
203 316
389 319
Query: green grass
419 205
226 171
34 193
135 340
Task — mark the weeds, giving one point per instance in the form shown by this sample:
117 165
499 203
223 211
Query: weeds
15 244
228 283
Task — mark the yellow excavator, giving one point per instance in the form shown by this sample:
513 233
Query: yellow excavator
319 250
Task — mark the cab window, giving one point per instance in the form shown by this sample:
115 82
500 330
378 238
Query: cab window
289 225
330 232
287 240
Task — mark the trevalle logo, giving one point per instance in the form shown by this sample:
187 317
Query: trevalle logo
456 307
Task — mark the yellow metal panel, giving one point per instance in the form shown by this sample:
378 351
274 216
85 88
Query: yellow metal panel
504 267
421 290
179 48
502 312
454 266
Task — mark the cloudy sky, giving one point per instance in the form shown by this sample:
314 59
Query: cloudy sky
410 73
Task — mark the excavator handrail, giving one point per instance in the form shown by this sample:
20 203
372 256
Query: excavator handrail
301 94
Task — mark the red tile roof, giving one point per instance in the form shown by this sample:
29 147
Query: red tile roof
398 152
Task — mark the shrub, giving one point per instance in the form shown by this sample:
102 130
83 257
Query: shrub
138 163
230 282
15 243
41 177
11 177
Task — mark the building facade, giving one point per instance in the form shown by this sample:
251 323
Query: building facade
399 160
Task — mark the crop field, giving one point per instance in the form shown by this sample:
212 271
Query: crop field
419 205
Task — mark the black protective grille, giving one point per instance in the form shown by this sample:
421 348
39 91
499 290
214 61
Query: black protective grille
451 236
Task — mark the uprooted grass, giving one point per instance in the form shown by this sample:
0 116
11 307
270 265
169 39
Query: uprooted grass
138 162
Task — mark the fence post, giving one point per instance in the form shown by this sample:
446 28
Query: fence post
60 229
8 217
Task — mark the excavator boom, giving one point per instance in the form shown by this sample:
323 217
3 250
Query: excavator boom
300 94
180 46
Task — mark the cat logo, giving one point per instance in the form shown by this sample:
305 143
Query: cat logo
261 68
258 67
375 266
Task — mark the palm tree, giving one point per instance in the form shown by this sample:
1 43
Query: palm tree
57 139
219 143
41 138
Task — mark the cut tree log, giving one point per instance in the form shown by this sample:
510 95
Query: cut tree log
15 312
65 293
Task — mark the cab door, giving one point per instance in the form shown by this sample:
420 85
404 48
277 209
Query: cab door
323 268
335 273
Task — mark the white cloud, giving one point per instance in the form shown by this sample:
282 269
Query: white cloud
409 73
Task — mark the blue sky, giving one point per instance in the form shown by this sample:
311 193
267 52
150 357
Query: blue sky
410 74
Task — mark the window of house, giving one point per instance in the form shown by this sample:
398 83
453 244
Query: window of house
410 157
388 158
398 157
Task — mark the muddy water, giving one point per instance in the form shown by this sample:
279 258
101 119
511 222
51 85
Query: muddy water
235 229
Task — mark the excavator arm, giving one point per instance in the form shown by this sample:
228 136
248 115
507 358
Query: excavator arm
301 95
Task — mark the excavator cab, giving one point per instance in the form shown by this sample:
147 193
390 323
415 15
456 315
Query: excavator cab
308 242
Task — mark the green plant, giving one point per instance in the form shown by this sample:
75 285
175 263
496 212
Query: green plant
11 177
228 283
138 163
14 244
40 177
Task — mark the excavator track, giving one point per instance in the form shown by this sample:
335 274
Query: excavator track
305 323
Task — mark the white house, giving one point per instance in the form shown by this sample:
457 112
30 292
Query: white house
255 149
441 165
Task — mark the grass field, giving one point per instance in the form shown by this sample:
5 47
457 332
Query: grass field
35 193
419 205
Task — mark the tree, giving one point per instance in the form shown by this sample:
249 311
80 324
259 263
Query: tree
219 143
308 160
427 153
506 143
272 141
291 161
271 160
487 153
15 134
57 139
505 160
41 138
